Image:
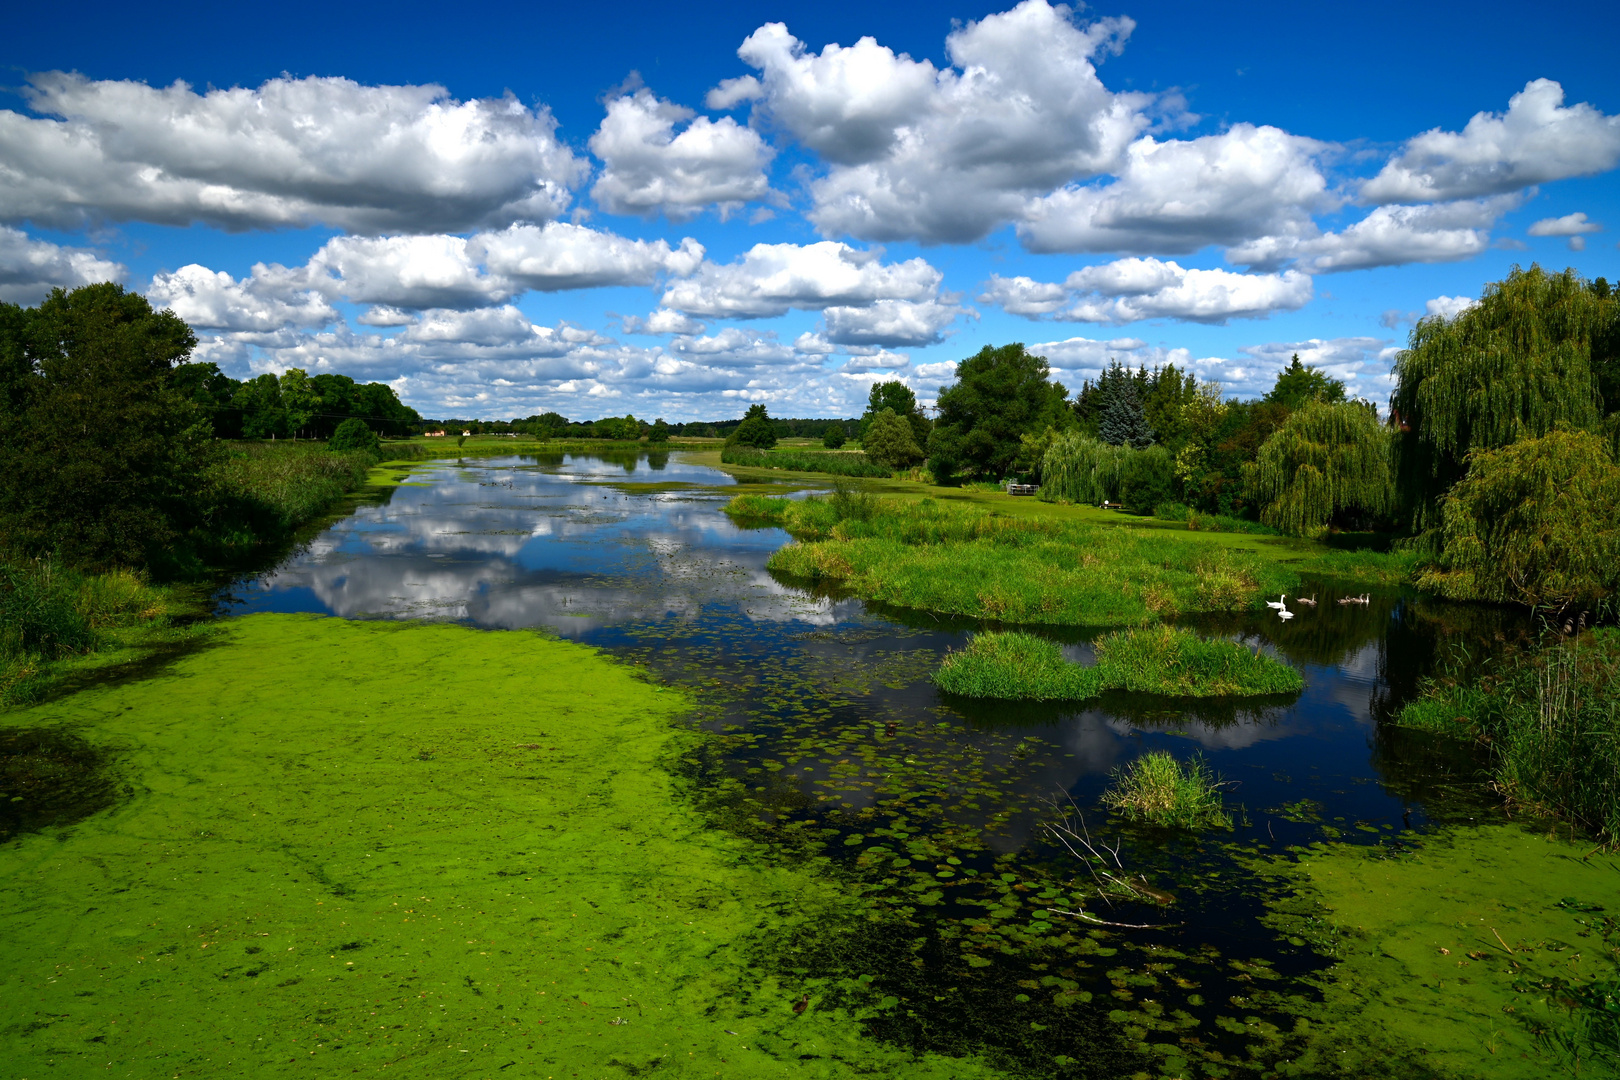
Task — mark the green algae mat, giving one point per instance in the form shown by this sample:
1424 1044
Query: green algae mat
401 850
1481 952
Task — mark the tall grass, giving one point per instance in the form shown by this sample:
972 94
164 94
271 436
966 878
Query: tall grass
1159 790
1152 660
969 561
1551 724
835 464
290 483
49 612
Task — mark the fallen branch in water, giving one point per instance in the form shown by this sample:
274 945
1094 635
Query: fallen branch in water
1089 917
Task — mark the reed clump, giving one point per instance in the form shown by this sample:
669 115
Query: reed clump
1550 722
1157 789
1149 660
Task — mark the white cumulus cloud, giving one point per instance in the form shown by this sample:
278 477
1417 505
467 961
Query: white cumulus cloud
771 279
890 323
650 169
1388 236
1449 307
1129 290
272 298
290 152
945 155
30 269
560 256
1177 196
1537 140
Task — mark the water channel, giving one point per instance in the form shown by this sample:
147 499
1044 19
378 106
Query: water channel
829 742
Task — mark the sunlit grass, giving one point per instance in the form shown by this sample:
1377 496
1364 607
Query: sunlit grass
1154 660
1156 789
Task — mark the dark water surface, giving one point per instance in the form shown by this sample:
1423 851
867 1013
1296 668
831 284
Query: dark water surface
831 743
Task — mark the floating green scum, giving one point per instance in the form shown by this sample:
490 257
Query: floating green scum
408 850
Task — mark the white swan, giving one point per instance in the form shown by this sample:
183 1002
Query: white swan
1280 605
1284 613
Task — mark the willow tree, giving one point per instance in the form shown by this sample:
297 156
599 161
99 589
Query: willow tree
1534 522
1533 353
1078 469
1324 462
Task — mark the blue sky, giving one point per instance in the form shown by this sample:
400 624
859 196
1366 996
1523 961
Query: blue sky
677 211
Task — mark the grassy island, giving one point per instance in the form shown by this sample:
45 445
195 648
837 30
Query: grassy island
1156 660
1035 563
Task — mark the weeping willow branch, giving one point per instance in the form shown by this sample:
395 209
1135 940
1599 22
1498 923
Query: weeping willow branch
1513 366
1326 460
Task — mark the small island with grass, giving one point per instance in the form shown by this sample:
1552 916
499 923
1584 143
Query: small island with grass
1152 660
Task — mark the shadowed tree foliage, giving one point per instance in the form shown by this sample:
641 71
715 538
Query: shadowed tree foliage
1536 351
889 441
1000 394
659 432
1535 522
101 458
352 434
1325 461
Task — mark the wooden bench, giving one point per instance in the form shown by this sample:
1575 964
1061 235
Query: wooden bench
1111 506
1023 489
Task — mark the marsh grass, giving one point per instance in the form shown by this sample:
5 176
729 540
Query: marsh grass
50 613
289 483
1551 724
966 560
1156 789
831 462
1153 660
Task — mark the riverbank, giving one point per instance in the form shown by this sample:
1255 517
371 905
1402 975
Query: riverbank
422 847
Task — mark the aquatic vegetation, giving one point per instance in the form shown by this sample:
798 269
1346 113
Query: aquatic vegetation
355 845
1157 660
1157 789
817 461
1551 723
1482 951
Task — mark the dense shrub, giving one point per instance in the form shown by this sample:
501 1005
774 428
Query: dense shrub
1147 479
352 435
834 437
889 441
755 431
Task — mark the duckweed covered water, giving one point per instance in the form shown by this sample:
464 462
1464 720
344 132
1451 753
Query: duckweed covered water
940 916
324 869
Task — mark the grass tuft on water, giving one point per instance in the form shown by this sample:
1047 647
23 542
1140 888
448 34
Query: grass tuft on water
1156 789
1152 660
